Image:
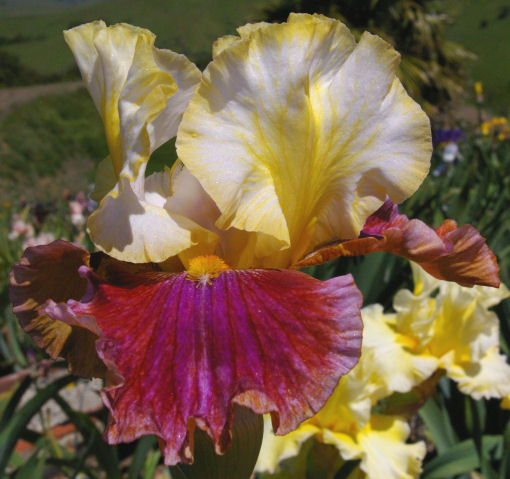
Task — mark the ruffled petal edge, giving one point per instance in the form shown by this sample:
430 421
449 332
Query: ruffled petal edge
450 253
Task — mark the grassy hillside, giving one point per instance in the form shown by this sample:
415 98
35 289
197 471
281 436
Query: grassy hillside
14 8
54 142
483 26
188 26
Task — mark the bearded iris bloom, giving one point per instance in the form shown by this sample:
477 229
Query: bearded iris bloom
288 142
348 423
453 330
439 328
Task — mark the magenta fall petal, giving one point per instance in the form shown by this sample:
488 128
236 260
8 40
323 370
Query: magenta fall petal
274 341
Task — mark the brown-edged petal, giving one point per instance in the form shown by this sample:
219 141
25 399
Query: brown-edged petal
450 253
181 352
51 272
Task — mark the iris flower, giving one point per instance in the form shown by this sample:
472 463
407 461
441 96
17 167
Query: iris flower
438 326
288 142
348 422
441 325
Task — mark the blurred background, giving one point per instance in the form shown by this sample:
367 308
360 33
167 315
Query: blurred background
455 63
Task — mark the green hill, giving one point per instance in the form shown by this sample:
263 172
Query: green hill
483 26
32 29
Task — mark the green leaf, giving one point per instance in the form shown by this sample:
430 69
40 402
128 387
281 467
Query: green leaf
34 467
144 446
14 401
240 458
438 425
323 461
106 455
72 463
12 339
149 467
345 471
14 428
175 473
478 413
504 468
16 460
462 457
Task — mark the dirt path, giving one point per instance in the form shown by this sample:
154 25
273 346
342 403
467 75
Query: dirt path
9 97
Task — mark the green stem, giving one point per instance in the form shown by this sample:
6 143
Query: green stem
239 460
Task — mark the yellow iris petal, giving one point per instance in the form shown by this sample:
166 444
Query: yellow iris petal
448 325
382 448
397 363
120 71
140 92
294 126
487 378
276 449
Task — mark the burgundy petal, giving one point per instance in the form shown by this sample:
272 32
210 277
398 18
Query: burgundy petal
51 272
184 351
449 253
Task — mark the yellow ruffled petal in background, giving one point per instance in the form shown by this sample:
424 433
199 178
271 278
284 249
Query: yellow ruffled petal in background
464 327
456 328
396 362
416 309
298 133
381 446
276 449
487 378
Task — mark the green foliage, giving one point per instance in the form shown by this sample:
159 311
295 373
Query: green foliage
48 144
464 437
39 136
13 72
17 422
482 27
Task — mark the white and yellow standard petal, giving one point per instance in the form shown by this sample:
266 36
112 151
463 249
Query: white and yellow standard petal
140 92
299 133
143 231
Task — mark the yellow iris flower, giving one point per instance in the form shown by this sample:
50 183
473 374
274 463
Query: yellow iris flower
285 142
452 330
294 139
347 422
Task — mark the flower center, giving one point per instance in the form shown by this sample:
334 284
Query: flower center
408 342
204 268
